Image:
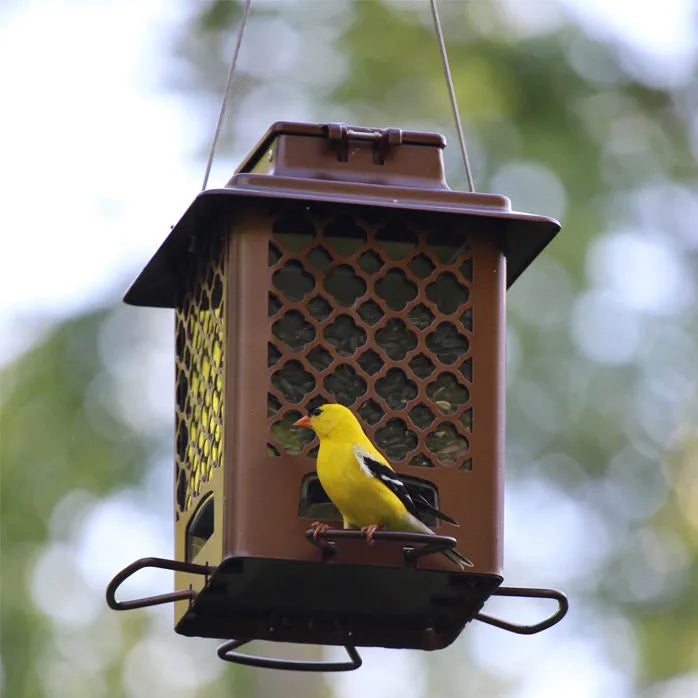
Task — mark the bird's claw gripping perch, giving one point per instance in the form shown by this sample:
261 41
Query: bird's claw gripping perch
368 531
319 528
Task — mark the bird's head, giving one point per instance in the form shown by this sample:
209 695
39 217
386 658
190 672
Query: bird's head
331 421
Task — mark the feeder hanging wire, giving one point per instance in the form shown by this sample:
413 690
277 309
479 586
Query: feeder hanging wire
226 91
447 74
452 94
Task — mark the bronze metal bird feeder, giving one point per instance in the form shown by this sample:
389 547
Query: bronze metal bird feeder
337 266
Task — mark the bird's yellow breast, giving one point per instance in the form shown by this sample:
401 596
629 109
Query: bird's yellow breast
361 498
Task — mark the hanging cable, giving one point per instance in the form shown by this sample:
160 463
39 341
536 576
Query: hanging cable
452 94
226 91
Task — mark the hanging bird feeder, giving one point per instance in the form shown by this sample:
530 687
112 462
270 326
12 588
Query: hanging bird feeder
337 266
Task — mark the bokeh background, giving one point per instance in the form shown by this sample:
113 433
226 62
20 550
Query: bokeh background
582 110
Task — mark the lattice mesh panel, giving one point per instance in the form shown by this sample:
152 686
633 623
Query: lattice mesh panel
200 350
372 310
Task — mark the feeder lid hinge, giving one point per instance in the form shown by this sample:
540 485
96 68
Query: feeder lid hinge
383 139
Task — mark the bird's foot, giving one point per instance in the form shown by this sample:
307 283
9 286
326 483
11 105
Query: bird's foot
368 531
319 528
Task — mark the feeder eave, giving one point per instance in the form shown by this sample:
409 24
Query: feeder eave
525 234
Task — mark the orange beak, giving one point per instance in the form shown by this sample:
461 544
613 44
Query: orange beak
303 422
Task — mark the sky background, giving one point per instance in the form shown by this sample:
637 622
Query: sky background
99 159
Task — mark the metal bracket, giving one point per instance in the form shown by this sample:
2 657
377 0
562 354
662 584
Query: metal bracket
160 563
383 140
522 592
225 652
326 541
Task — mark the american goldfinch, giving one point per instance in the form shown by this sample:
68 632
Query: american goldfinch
361 483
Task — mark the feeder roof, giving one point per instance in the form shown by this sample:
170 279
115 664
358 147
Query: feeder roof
336 163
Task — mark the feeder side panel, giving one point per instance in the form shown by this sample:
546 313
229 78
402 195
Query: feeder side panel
261 492
200 365
371 308
483 515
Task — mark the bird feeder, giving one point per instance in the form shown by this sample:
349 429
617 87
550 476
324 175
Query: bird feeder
337 266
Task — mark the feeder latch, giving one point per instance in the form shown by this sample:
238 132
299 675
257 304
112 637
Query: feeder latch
338 152
383 139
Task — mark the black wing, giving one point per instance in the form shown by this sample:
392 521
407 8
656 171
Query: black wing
423 507
414 502
390 479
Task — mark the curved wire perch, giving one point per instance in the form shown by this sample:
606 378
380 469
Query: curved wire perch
160 563
225 652
522 592
326 541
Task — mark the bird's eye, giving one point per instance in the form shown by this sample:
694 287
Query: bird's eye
317 411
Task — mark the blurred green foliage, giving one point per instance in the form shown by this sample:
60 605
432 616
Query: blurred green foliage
58 435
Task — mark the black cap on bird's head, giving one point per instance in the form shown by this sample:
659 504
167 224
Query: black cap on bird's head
305 421
330 418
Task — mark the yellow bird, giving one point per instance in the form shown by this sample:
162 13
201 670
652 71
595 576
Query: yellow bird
361 483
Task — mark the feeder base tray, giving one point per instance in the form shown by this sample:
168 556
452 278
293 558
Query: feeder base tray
309 602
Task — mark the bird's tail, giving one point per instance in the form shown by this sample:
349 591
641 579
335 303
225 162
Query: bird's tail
459 559
414 524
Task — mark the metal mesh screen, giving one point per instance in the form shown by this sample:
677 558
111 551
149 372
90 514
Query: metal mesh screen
200 353
372 309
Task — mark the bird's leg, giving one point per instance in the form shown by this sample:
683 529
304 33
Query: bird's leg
368 531
319 528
